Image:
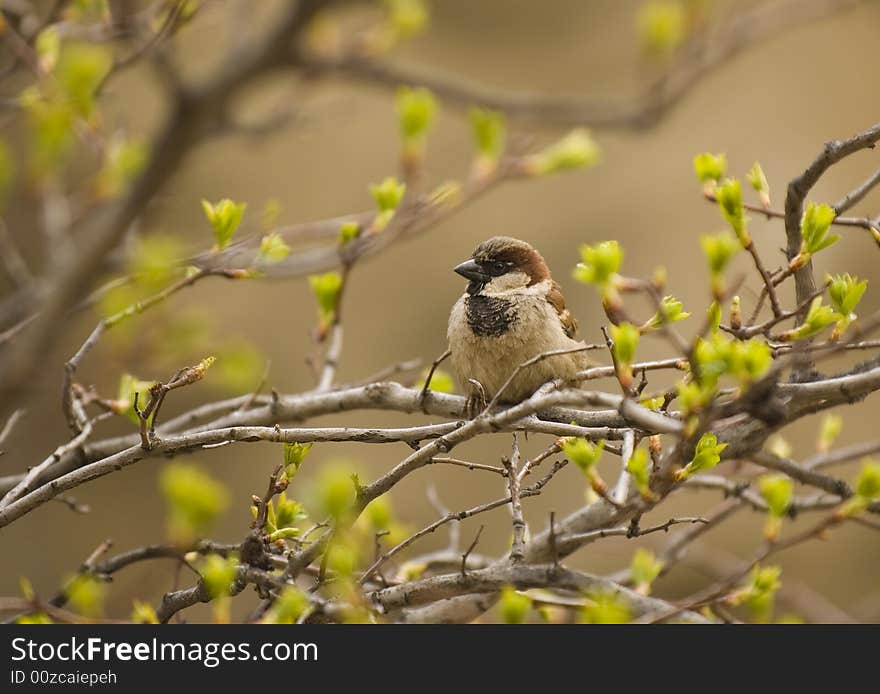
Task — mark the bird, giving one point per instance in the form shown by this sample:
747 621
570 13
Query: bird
511 311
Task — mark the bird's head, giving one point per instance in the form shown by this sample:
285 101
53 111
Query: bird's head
502 264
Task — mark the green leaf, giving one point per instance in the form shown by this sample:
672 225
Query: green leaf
273 249
710 167
489 131
287 512
845 292
128 386
224 217
574 151
671 311
513 606
815 224
706 456
599 264
194 500
817 319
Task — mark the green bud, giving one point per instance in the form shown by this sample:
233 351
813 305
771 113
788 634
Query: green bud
407 18
845 292
638 467
758 181
868 481
514 606
294 455
719 251
287 512
713 313
626 341
273 249
600 263
644 569
661 26
218 574
730 202
143 613
348 232
574 151
671 311
416 111
388 194
710 167
581 452
779 447
778 491
86 594
867 489
224 217
489 132
194 500
441 381
288 607
706 456
379 513
327 289
829 430
760 592
605 608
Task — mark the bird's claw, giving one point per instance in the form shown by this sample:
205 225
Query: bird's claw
476 401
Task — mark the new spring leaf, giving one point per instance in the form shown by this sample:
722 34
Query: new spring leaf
224 217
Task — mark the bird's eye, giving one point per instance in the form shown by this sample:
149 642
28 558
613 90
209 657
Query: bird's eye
499 268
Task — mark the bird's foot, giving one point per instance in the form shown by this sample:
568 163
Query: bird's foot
476 401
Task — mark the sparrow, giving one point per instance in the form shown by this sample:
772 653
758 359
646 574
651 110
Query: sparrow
511 311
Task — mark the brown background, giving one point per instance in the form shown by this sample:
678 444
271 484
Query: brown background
776 103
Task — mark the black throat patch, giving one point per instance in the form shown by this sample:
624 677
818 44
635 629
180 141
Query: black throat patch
489 316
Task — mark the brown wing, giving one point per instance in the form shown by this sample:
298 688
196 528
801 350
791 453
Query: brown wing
569 324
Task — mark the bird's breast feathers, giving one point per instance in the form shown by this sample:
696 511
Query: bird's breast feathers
491 333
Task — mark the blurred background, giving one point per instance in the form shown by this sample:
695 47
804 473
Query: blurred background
775 103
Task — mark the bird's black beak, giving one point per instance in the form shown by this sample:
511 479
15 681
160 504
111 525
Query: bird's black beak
472 271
